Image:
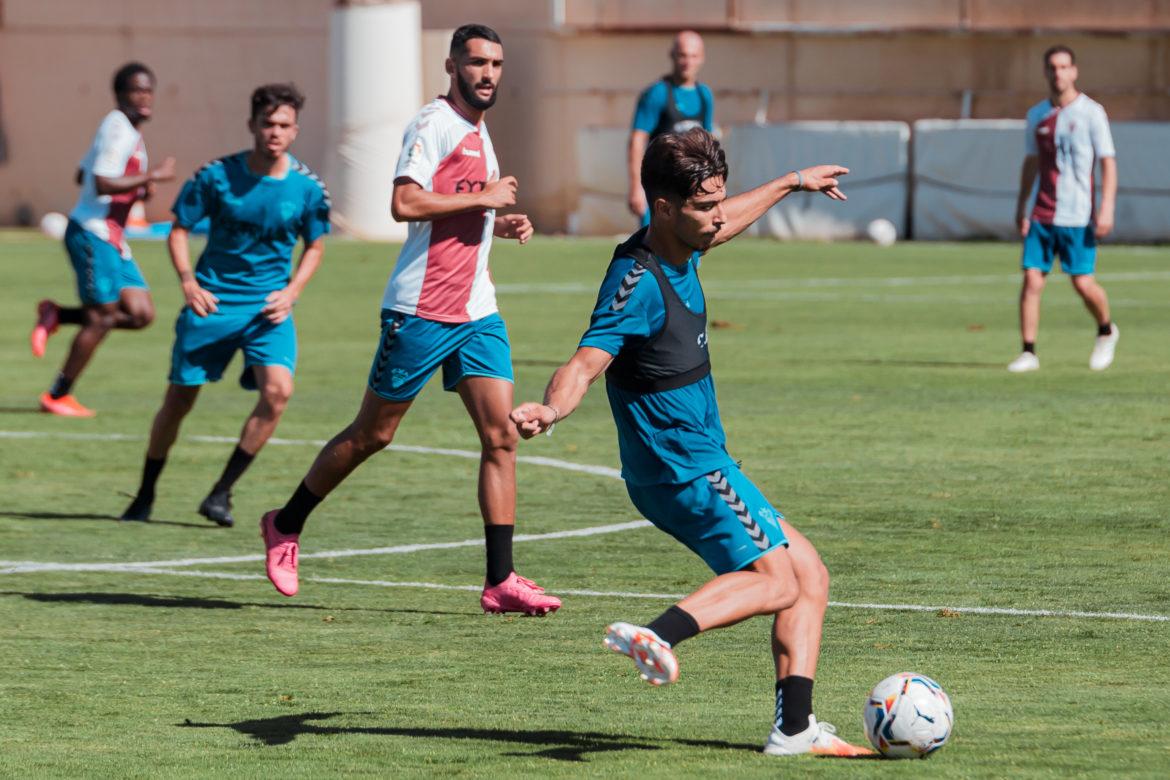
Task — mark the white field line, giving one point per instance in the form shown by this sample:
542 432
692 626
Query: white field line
729 288
991 611
20 567
599 471
160 567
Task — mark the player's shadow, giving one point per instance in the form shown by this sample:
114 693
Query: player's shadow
97 516
551 744
186 602
20 410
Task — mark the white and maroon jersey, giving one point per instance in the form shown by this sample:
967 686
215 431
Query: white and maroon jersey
442 270
117 151
1068 142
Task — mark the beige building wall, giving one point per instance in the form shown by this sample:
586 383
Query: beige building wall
570 64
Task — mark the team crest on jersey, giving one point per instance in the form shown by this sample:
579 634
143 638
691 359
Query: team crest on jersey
288 210
416 150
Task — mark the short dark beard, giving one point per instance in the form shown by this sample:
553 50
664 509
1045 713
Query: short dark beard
467 90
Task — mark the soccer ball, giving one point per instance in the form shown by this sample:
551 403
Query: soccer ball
908 715
882 232
53 225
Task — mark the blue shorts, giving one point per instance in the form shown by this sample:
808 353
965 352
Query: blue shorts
1077 247
205 345
722 517
102 272
413 348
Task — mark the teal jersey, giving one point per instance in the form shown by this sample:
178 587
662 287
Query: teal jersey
255 224
672 436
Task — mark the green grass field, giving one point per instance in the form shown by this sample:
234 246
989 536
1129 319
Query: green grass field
864 390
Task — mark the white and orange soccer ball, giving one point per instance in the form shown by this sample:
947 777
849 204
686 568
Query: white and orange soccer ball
908 715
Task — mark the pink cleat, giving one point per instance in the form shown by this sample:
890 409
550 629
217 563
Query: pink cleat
48 320
65 406
653 657
517 594
282 555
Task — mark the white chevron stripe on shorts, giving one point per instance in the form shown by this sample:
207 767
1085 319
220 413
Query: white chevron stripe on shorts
732 499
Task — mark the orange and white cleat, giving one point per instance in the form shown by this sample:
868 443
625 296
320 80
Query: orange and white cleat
48 320
65 406
518 594
819 739
653 657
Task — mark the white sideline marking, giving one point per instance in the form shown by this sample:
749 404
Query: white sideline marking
997 611
18 567
716 287
535 460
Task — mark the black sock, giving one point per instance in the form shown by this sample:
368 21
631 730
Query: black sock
674 625
236 465
61 386
291 519
150 471
793 704
1030 346
499 552
73 316
1106 329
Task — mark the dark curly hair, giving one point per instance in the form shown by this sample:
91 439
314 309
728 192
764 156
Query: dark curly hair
676 164
269 97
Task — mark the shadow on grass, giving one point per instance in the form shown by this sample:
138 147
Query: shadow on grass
20 410
186 602
556 745
95 516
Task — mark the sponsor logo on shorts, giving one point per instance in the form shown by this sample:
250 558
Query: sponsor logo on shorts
398 376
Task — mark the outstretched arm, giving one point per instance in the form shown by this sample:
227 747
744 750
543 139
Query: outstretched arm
564 392
411 203
744 209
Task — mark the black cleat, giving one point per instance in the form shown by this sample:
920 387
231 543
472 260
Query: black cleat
139 510
217 508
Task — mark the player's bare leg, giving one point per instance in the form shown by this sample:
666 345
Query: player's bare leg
796 646
1097 302
1030 292
763 587
370 432
1093 294
275 385
489 402
178 401
132 311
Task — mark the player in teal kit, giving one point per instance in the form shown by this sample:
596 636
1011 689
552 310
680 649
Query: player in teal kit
240 296
648 335
674 104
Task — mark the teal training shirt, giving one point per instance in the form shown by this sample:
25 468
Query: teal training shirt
669 437
255 224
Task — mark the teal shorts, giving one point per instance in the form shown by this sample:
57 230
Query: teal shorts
205 345
722 517
412 349
1076 246
102 272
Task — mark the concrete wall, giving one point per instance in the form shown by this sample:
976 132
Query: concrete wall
570 63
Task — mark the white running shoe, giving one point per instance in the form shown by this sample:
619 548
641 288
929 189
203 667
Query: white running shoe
1027 361
653 657
820 739
1102 356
